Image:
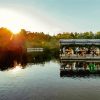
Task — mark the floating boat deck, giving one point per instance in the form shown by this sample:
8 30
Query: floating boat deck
75 57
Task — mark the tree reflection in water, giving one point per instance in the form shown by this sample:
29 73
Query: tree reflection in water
10 60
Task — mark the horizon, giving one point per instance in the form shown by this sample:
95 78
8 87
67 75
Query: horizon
50 16
51 34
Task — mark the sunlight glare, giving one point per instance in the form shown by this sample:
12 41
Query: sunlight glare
16 69
14 21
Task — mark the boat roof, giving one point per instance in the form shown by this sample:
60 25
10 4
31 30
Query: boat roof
80 41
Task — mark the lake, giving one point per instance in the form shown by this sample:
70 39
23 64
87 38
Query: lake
43 82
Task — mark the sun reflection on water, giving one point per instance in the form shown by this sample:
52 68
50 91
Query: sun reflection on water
16 69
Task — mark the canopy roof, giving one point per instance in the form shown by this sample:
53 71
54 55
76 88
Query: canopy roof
80 41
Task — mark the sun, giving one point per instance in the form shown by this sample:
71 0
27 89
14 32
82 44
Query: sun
14 20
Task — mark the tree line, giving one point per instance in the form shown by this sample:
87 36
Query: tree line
39 39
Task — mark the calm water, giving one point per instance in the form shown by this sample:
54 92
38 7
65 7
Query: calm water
43 82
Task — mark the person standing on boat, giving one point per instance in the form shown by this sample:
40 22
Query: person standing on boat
77 50
64 49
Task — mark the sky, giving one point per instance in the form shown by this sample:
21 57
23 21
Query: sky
51 16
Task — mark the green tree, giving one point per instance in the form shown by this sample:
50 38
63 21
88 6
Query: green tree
97 35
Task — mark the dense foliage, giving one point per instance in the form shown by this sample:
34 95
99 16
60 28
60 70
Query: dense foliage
40 39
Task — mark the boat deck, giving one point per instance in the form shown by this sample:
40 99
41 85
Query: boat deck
75 57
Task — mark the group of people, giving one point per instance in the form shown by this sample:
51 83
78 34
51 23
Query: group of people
81 51
91 51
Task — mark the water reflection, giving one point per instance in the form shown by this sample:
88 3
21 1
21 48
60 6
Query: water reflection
79 68
16 69
41 57
10 60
